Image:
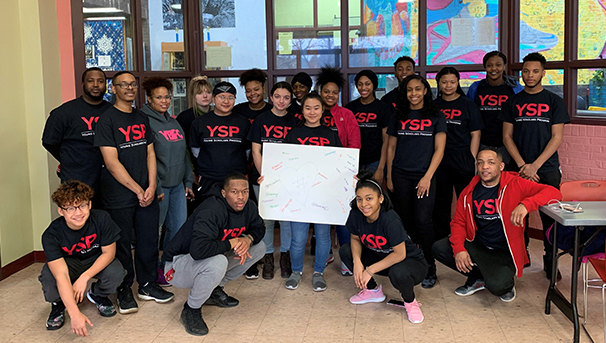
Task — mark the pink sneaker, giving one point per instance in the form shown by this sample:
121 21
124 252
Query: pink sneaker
368 296
413 310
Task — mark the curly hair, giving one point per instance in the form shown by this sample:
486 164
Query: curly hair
429 109
330 74
154 82
72 192
254 74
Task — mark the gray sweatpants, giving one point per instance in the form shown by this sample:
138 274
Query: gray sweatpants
203 276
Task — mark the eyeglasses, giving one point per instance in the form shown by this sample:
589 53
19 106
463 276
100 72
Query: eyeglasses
126 85
223 98
160 98
72 209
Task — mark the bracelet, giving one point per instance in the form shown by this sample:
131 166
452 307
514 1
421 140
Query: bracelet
369 273
522 166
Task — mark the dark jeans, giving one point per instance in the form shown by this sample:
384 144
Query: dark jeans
415 213
552 178
495 267
456 170
403 275
145 222
108 279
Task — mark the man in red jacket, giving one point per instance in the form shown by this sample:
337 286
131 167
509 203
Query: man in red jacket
487 233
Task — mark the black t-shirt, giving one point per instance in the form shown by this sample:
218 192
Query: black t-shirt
269 128
129 134
320 136
415 146
391 98
185 119
489 100
383 234
462 118
295 110
490 228
329 121
532 116
222 142
372 119
58 240
72 125
244 110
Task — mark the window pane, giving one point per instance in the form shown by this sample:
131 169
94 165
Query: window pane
461 32
163 35
542 28
467 78
329 13
592 37
234 34
553 81
303 49
108 35
387 82
591 93
388 30
179 102
284 10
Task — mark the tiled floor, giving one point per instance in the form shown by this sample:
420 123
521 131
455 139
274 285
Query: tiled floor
270 313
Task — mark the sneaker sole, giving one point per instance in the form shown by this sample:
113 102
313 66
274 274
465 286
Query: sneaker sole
470 293
102 315
128 310
375 300
291 287
319 289
416 322
213 303
193 333
347 273
509 300
165 286
251 277
147 298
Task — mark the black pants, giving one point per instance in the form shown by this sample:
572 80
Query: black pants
552 178
415 213
403 275
495 267
456 170
108 279
145 222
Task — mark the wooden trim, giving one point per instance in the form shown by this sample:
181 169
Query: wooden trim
78 42
18 264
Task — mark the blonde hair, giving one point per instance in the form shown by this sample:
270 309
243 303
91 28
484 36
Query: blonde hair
196 86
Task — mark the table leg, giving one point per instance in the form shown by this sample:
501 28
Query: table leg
554 269
574 284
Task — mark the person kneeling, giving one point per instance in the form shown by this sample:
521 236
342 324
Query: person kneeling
217 243
380 245
487 233
79 245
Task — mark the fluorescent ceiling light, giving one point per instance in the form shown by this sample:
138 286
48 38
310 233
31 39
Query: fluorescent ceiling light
101 10
105 18
176 7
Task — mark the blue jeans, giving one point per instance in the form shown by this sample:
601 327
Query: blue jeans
371 166
285 236
173 210
300 231
343 234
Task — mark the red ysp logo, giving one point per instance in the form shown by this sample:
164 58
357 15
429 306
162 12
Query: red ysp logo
485 206
365 117
415 124
532 109
451 113
276 131
493 100
85 243
138 131
233 233
223 130
375 242
173 135
89 122
320 141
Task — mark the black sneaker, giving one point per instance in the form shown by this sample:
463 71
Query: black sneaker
252 272
219 298
56 318
105 306
193 322
151 291
126 301
430 279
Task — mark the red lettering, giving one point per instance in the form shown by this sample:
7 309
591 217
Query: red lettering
380 241
89 239
502 99
425 123
223 131
233 130
416 124
138 132
212 130
520 109
543 108
69 251
303 140
483 99
490 209
451 113
126 133
226 233
268 130
365 117
89 122
478 206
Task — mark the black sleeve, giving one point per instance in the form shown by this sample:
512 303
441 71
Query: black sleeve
255 223
350 224
246 128
110 231
386 115
391 129
53 149
337 140
475 118
51 244
441 123
394 229
194 134
506 113
560 113
104 133
54 129
206 238
254 134
149 134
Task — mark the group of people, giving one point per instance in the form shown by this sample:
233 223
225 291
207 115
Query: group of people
126 171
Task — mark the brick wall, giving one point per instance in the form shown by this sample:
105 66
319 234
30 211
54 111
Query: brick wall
583 152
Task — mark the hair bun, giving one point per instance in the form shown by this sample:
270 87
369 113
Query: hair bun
365 174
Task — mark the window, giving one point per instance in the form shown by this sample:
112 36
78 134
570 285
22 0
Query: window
467 78
163 35
382 31
592 37
234 34
387 82
462 31
591 93
108 35
553 81
542 28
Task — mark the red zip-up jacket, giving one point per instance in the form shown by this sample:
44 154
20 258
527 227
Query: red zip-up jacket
347 126
513 190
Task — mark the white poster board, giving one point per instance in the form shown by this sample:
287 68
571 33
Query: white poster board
310 184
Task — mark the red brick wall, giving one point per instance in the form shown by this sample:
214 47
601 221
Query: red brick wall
583 152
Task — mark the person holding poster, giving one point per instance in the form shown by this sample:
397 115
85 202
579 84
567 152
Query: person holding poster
380 245
312 132
416 147
272 127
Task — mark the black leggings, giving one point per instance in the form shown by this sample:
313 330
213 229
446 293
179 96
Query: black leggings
415 213
403 275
